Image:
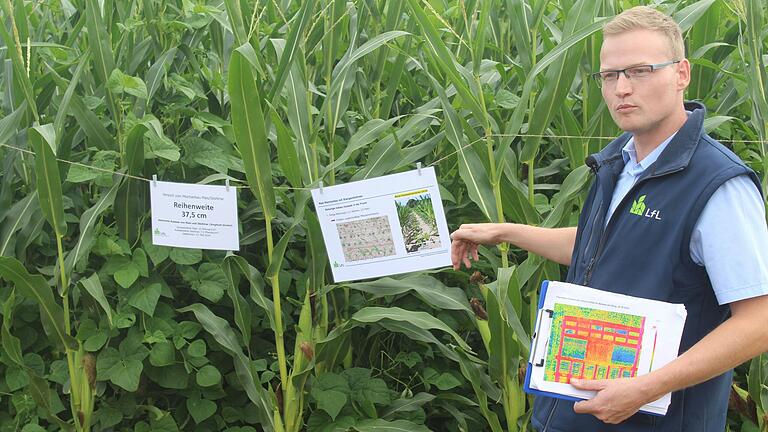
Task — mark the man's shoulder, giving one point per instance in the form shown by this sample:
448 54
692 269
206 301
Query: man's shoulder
713 154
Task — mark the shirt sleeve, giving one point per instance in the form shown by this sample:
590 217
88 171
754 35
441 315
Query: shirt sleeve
730 240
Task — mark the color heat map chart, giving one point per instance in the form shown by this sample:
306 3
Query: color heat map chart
592 344
366 238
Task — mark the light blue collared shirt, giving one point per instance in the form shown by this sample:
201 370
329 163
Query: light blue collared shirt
730 238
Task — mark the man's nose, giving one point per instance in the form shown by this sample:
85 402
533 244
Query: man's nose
623 85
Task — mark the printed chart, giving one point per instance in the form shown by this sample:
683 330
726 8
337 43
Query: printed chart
591 334
593 344
383 226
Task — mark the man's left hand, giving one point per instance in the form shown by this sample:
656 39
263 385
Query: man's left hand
616 399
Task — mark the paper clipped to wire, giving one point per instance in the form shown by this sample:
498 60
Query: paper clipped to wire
592 334
194 216
383 226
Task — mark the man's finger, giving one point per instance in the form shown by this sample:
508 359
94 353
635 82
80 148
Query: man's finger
465 256
583 407
595 385
473 249
458 248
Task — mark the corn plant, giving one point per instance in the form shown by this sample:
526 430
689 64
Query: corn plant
103 330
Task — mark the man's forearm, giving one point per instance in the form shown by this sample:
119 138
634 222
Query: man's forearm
738 339
554 244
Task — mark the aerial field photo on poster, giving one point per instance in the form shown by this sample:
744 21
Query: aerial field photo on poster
366 238
384 225
417 220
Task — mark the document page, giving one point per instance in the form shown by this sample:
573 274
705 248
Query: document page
383 226
592 334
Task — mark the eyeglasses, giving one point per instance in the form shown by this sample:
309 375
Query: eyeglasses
610 77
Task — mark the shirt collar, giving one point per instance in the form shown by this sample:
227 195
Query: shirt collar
629 152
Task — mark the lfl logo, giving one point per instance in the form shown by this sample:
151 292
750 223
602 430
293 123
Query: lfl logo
639 208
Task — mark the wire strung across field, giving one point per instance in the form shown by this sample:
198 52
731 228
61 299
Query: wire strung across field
316 184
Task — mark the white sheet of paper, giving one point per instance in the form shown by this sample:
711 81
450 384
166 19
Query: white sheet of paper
194 216
365 237
662 331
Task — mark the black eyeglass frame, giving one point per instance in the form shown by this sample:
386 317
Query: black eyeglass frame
598 76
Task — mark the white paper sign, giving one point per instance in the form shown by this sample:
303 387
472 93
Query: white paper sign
194 216
383 226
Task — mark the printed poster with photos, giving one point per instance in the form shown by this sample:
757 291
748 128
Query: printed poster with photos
383 226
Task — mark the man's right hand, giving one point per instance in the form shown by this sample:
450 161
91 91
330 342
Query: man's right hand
466 239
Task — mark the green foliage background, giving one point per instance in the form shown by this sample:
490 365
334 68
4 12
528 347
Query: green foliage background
101 330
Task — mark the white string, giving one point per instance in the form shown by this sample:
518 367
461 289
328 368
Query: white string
312 188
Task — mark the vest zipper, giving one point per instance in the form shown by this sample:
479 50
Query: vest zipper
589 242
549 417
603 236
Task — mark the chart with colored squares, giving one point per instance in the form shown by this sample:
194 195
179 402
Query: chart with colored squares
591 343
591 334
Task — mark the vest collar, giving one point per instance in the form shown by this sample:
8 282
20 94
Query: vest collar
678 153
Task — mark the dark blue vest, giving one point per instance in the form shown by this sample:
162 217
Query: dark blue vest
644 251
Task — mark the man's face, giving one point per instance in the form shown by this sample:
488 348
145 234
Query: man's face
641 105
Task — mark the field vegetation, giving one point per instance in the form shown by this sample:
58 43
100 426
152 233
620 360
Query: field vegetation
102 330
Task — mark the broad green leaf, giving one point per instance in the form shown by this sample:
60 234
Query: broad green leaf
234 263
295 35
158 70
9 125
92 285
98 135
242 309
208 376
88 225
126 276
119 83
129 204
689 15
201 409
286 151
514 124
447 62
146 297
420 319
483 390
408 404
122 372
19 216
36 288
186 256
157 254
250 132
49 193
379 425
369 132
428 288
331 392
364 388
211 155
559 76
162 354
471 168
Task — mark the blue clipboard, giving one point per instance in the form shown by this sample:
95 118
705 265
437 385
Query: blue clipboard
529 370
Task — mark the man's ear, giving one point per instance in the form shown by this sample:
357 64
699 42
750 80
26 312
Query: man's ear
683 74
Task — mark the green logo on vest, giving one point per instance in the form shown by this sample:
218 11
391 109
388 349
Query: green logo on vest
638 206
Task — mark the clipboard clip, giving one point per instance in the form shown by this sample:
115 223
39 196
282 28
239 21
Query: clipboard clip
320 183
418 167
549 312
154 180
226 183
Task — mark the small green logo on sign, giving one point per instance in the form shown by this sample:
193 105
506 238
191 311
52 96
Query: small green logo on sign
638 206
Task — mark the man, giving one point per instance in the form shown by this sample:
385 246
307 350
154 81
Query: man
673 216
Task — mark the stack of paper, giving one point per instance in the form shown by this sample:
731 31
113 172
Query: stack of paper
591 334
